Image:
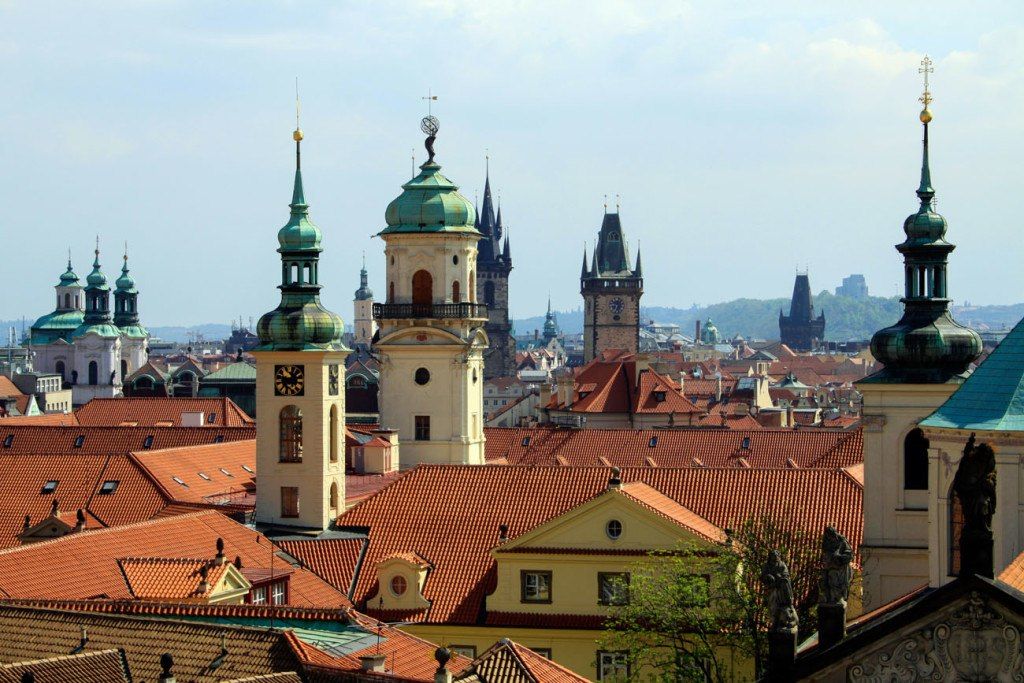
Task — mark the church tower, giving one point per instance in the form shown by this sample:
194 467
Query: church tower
432 339
365 326
800 330
494 264
96 342
927 356
611 293
300 369
51 334
134 337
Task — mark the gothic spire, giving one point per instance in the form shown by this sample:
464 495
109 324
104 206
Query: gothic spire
585 271
639 270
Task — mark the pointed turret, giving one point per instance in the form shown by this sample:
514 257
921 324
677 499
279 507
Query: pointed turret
506 252
97 317
639 271
584 271
497 225
364 292
550 326
126 312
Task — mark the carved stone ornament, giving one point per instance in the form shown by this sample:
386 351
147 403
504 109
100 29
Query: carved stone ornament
974 644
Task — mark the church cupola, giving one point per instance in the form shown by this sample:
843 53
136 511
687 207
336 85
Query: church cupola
97 319
550 325
69 291
126 297
926 345
364 292
300 321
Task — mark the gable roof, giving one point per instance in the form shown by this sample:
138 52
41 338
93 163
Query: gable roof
170 578
211 474
100 666
674 447
150 411
660 504
992 398
609 384
108 440
509 662
473 501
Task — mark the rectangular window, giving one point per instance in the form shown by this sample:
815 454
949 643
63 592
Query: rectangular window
464 650
79 440
212 418
289 501
148 441
109 486
259 595
612 666
613 588
8 440
278 592
542 651
422 428
50 486
536 586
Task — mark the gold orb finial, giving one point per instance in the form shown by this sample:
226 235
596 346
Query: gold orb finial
297 135
926 115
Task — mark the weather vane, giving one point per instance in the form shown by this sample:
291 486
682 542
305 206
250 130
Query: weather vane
429 125
926 68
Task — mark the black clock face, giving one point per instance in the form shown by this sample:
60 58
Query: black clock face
289 380
616 305
332 380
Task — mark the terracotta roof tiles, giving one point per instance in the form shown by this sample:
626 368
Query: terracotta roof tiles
107 440
100 666
170 578
509 662
111 412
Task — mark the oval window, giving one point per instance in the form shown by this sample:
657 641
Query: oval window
398 585
455 259
422 376
613 529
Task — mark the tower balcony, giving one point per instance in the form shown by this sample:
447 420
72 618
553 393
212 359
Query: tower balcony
460 311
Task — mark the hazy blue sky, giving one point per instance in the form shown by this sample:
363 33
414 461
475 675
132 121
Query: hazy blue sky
743 139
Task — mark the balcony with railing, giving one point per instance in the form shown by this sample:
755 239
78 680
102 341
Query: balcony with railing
460 311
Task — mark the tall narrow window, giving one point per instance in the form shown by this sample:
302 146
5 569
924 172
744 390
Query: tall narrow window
489 293
295 274
307 274
94 373
59 369
471 285
289 501
422 288
67 301
422 428
456 293
334 433
915 461
124 368
391 293
334 495
291 434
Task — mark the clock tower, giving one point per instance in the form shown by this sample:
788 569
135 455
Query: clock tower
300 372
611 293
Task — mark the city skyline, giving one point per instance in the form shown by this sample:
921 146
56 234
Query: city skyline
754 142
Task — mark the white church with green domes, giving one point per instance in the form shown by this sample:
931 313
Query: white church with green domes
90 347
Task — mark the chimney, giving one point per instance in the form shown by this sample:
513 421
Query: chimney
615 482
374 663
502 533
193 419
238 561
220 559
55 508
166 663
204 584
442 675
789 415
682 383
718 389
564 380
79 520
28 522
642 364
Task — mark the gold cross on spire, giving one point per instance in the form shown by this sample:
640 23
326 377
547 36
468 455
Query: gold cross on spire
430 98
926 68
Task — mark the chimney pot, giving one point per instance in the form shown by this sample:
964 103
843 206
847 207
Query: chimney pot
502 533
373 663
615 482
220 558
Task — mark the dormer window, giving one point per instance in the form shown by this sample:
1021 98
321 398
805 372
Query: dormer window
109 486
745 444
8 440
399 585
659 396
79 441
219 438
653 442
50 486
212 418
148 442
526 441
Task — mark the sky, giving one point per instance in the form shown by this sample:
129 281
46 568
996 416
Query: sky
744 140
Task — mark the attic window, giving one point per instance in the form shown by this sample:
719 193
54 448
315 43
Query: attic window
79 440
179 480
659 396
148 441
109 486
50 486
212 418
204 476
584 394
226 473
219 438
746 442
248 469
8 440
653 442
526 441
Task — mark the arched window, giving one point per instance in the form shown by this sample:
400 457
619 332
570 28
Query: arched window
334 437
422 288
124 368
145 382
356 382
307 272
59 369
291 434
391 293
295 274
956 527
67 301
489 293
915 461
94 373
76 301
334 496
456 292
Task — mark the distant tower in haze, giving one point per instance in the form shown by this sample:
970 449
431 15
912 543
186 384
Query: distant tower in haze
800 330
365 327
611 293
494 263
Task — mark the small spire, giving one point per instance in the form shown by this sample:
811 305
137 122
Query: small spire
549 304
96 261
925 191
506 251
298 195
639 269
584 271
69 259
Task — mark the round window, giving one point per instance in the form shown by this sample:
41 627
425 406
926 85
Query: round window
613 529
422 376
455 259
398 584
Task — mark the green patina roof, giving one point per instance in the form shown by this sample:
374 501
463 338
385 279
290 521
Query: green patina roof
992 398
106 330
430 202
134 331
96 279
59 321
126 283
299 233
235 372
69 278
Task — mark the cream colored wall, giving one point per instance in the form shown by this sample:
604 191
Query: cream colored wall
315 474
432 252
364 325
895 548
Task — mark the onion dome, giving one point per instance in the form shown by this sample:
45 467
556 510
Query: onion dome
96 279
926 345
69 278
364 293
300 322
125 283
97 319
550 326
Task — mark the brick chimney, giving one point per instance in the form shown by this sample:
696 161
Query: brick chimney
564 381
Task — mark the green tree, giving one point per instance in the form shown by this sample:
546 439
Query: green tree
698 613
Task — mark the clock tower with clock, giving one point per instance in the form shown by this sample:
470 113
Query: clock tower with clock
300 368
611 293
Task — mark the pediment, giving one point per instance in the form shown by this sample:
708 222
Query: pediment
421 335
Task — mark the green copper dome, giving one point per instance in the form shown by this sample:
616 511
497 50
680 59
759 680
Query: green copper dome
96 279
126 283
299 233
69 278
57 325
430 202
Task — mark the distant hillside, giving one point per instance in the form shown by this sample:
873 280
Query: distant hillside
845 318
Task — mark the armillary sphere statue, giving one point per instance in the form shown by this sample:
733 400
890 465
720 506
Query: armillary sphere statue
429 125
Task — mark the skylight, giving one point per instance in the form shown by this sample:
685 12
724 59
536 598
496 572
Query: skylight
8 440
148 441
204 476
526 441
181 481
746 442
226 473
109 486
219 438
79 440
248 469
653 442
50 486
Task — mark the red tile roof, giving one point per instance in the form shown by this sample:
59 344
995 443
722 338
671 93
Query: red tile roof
611 386
85 565
660 504
509 662
108 440
47 419
8 389
1013 575
111 412
210 474
170 578
674 447
101 666
334 560
450 515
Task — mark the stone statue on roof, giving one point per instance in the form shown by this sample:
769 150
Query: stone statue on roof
836 574
775 577
974 485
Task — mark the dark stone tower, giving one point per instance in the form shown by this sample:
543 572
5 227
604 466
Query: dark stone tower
611 294
494 263
800 330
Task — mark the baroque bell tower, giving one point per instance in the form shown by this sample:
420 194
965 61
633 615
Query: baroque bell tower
432 338
300 376
611 293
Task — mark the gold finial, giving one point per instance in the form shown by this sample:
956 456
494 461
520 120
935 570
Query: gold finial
926 96
297 135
